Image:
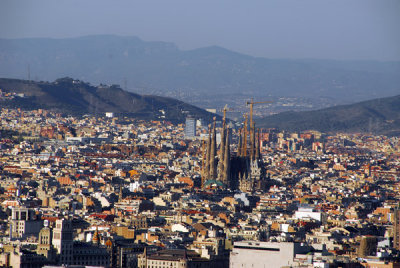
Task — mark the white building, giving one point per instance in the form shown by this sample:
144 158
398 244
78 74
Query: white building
134 186
304 213
258 254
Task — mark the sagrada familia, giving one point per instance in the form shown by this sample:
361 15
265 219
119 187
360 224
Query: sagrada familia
242 171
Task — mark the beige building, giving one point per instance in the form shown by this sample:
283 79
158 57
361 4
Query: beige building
24 222
174 258
45 246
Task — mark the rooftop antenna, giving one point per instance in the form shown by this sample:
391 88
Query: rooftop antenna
29 71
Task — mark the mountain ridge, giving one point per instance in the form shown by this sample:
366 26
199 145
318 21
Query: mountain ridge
379 116
160 66
75 97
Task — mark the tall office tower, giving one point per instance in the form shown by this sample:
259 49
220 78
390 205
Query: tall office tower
63 240
190 127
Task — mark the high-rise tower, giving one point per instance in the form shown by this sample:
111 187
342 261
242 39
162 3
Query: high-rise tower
190 127
63 240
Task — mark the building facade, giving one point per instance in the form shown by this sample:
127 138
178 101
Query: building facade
258 254
63 240
190 127
24 222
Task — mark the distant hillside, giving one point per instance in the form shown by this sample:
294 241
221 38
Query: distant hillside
76 97
380 116
161 67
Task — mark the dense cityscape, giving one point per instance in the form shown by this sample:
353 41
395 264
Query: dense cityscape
111 191
199 134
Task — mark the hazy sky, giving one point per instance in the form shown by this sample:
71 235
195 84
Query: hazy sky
333 29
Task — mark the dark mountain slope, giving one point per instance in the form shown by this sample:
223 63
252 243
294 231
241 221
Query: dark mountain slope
76 97
381 116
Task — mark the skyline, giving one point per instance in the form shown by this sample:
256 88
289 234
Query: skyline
340 30
207 134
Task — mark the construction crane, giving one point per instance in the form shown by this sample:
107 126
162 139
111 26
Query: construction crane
251 103
226 109
244 140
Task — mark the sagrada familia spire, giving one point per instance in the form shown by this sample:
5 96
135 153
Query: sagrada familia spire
243 171
216 167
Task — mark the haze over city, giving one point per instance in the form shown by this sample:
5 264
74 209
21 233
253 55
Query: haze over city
355 30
